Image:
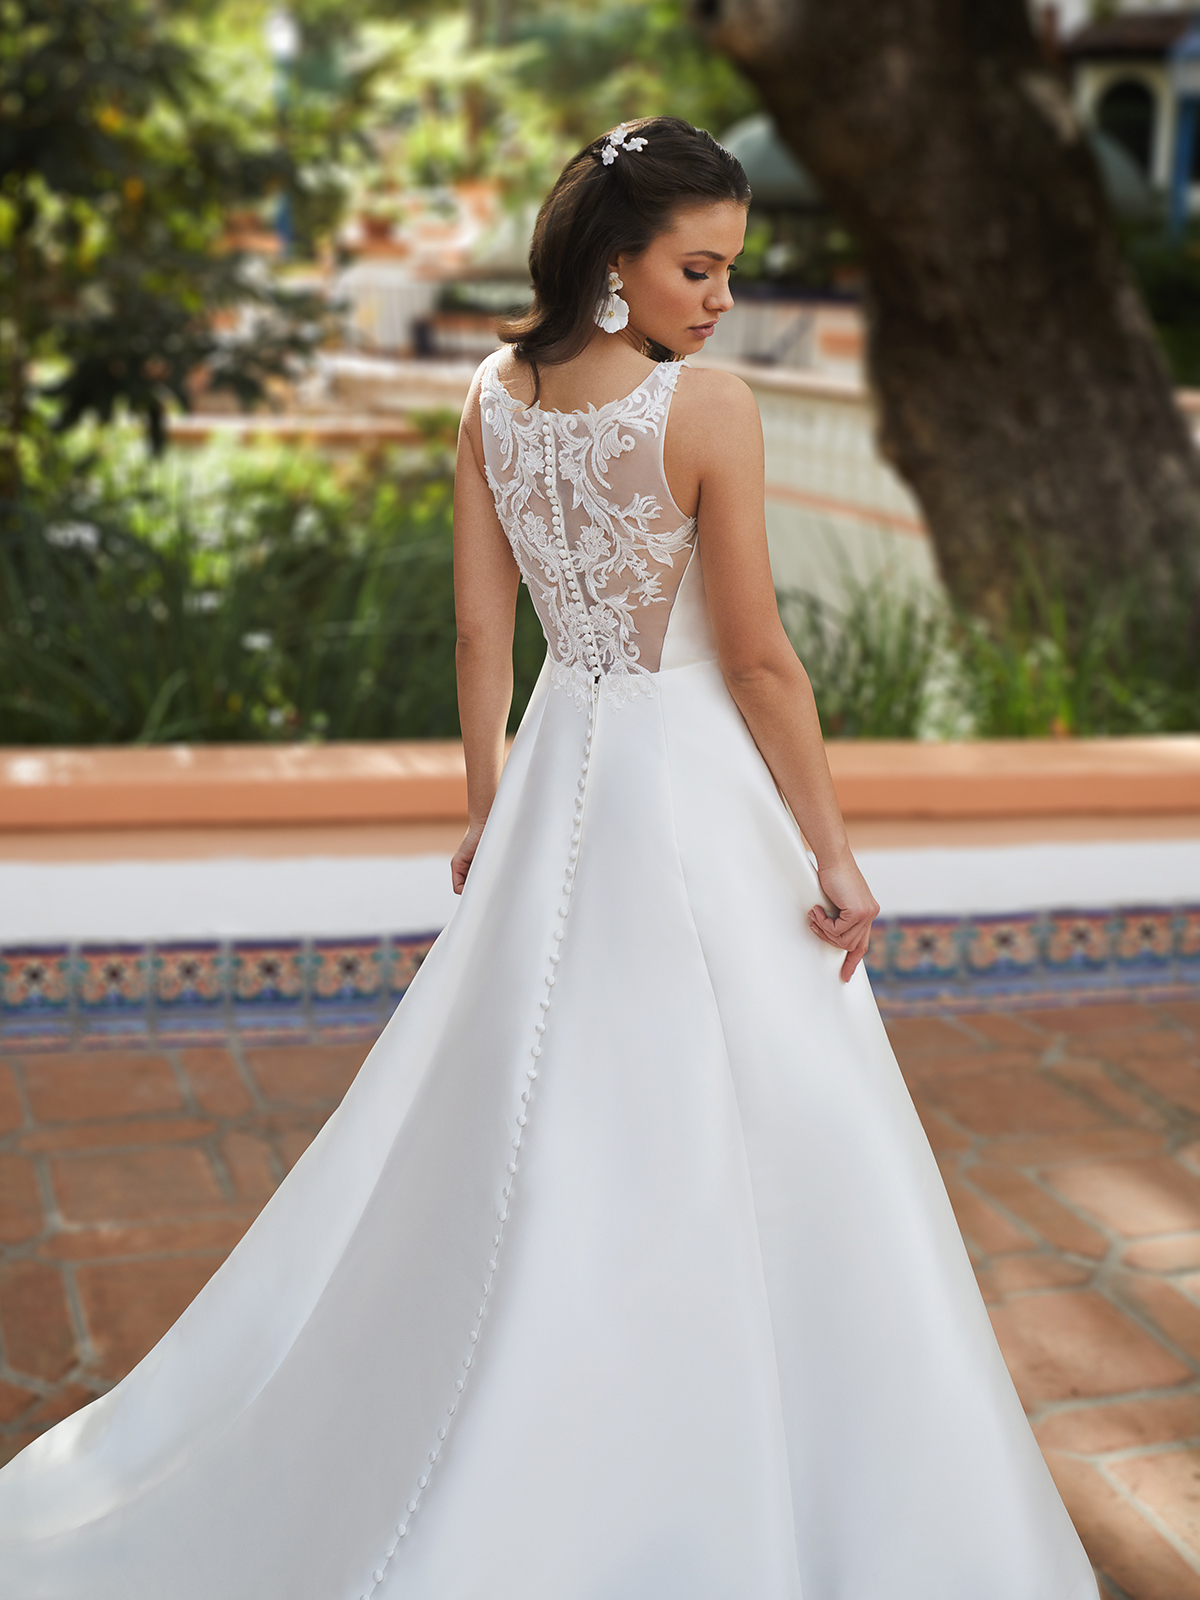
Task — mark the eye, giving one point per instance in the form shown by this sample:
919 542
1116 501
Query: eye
694 276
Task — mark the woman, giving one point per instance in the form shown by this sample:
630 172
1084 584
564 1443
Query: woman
624 1271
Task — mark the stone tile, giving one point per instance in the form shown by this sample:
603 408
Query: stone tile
1172 1077
1166 1045
1185 1011
293 1142
212 1235
1072 1344
912 1035
1091 1077
1175 1253
1057 1150
1041 1211
13 1400
1011 1102
943 1138
130 1185
1005 1027
307 1075
1155 1195
248 1158
13 1445
963 1063
129 1305
1120 1541
1169 1482
1005 1275
1114 1017
11 1113
981 1224
99 1083
1176 1317
1122 1425
35 1323
20 1200
61 1403
215 1081
114 1135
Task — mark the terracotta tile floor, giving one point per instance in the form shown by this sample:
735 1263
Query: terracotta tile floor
1070 1142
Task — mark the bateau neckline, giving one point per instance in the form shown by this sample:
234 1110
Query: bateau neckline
590 410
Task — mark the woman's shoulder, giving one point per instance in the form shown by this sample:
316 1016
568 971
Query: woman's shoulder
715 409
713 387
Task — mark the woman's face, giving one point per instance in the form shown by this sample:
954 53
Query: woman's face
679 286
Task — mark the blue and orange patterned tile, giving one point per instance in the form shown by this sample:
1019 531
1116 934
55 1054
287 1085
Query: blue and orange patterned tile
1144 937
1187 938
267 973
1001 946
112 977
35 979
405 958
1078 940
347 970
189 977
925 948
35 994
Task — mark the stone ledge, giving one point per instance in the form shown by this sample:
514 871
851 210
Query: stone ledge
425 781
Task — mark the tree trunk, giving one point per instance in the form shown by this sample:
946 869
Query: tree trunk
1020 389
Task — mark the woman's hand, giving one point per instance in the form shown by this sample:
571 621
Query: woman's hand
460 862
857 908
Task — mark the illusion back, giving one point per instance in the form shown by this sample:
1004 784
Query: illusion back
600 542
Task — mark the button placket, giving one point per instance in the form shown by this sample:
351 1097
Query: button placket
524 1105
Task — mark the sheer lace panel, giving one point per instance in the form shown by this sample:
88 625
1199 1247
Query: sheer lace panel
600 542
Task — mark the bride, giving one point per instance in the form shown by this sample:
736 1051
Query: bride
624 1271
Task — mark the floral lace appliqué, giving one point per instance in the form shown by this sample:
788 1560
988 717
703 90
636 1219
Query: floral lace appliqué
593 555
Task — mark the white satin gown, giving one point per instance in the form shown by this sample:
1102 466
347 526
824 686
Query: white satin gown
624 1271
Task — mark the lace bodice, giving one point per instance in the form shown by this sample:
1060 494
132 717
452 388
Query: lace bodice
599 540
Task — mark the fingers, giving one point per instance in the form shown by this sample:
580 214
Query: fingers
853 958
845 932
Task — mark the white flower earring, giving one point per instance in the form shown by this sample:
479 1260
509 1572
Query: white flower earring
612 313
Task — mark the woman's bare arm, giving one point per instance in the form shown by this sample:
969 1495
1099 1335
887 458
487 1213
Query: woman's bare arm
486 578
764 676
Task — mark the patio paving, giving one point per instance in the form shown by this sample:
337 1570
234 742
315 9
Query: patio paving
1070 1141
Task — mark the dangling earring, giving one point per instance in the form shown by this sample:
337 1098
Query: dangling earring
612 313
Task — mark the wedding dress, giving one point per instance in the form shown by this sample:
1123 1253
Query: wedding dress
624 1271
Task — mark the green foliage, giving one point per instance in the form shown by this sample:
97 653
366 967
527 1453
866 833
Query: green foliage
870 661
119 163
1116 669
886 663
287 600
1168 274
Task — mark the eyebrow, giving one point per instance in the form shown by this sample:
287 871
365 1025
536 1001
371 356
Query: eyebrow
713 255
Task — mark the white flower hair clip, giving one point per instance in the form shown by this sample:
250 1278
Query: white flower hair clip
618 142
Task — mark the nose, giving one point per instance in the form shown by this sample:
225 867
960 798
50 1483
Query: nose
720 299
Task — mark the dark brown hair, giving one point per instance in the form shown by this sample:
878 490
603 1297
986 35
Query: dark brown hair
595 212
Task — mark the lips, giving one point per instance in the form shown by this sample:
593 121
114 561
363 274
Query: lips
704 329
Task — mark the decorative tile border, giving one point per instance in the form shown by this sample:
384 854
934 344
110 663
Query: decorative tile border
176 994
1037 958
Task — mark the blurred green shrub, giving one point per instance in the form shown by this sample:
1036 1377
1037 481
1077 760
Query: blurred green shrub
1168 274
889 663
287 599
870 660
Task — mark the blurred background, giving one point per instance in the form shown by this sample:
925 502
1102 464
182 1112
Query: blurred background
313 217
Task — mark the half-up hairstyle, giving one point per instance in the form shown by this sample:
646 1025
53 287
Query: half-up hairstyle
596 212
